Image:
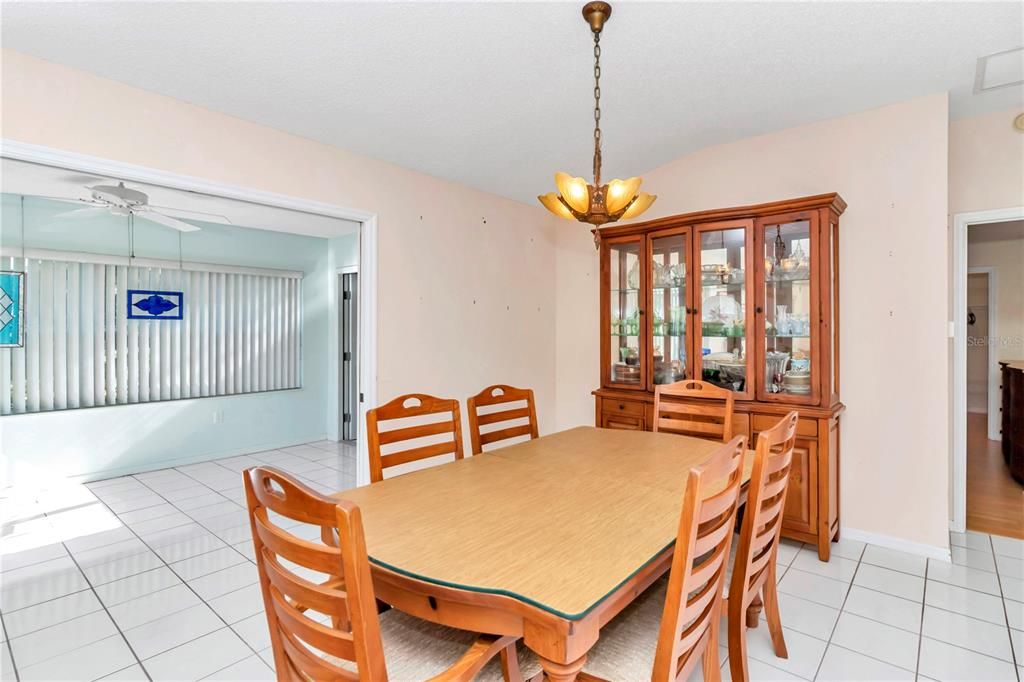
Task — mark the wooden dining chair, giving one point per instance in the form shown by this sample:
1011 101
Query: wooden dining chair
397 441
669 628
500 394
327 627
754 572
677 410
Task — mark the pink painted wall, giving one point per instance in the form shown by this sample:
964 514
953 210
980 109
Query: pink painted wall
986 163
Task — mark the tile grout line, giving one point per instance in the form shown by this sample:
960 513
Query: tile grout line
184 582
920 633
192 589
849 587
220 670
962 647
106 611
1006 614
132 575
10 649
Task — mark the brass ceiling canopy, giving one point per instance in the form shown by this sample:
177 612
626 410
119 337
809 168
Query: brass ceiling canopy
595 203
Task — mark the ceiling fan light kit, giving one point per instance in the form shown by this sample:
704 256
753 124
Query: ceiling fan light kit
596 203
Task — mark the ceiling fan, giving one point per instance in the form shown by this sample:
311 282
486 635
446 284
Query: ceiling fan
124 201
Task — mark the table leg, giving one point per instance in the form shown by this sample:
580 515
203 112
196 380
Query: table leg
562 672
754 611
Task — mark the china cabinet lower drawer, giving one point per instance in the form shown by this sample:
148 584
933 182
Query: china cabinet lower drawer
634 408
804 427
614 420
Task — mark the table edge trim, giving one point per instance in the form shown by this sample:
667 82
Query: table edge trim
518 597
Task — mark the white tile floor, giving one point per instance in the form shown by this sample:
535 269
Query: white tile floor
144 577
151 577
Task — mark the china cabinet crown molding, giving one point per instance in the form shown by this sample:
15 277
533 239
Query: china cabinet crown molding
831 201
746 297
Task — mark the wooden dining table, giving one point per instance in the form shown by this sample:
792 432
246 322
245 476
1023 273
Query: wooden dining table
547 539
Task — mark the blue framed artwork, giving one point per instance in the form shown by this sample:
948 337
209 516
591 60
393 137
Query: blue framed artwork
12 309
155 305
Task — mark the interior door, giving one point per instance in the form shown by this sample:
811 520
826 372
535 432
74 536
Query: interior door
349 402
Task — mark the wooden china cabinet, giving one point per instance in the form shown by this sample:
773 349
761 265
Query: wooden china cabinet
746 298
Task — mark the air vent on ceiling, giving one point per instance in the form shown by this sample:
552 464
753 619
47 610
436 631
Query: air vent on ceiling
1000 70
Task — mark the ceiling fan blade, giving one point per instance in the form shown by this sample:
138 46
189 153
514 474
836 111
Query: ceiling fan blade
83 213
83 180
192 215
65 200
166 221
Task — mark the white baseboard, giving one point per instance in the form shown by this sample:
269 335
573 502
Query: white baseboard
192 459
890 542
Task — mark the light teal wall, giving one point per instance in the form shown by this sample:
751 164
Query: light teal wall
344 250
102 441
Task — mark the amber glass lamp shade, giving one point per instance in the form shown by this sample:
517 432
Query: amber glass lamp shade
578 200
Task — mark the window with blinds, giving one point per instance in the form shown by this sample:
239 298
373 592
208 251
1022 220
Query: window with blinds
238 333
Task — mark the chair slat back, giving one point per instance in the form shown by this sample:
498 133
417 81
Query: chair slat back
689 623
762 518
304 647
694 408
501 394
404 444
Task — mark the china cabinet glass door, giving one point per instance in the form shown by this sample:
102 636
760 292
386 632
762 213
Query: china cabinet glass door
626 273
787 298
669 310
724 303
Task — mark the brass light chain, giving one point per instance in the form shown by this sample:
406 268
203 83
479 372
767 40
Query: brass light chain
597 108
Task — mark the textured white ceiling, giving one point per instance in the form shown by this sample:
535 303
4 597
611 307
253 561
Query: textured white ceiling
498 95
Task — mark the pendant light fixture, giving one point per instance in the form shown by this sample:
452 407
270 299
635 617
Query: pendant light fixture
595 203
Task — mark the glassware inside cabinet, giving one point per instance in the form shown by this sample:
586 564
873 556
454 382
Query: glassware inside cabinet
624 315
787 310
669 307
723 296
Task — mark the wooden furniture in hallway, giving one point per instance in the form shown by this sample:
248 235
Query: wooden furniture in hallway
501 395
409 406
1012 386
674 626
548 539
746 298
694 408
354 648
754 576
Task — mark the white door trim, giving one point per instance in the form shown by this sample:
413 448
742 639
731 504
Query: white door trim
961 223
60 158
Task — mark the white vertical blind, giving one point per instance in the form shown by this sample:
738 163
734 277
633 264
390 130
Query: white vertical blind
110 382
78 300
240 333
46 345
81 289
